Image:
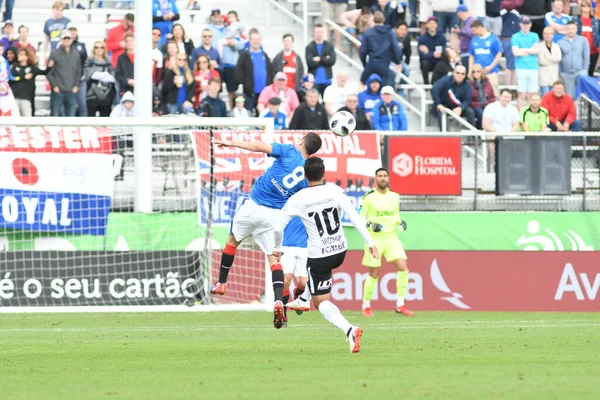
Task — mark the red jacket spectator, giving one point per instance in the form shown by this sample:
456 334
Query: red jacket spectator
115 39
490 97
561 109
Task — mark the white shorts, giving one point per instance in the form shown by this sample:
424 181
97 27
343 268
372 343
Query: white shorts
293 261
258 221
528 81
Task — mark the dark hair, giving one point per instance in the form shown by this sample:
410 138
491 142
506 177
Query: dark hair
317 26
507 91
312 143
378 170
365 11
559 82
314 169
378 17
477 24
173 28
129 17
401 23
571 22
234 13
274 101
129 35
288 35
214 79
21 27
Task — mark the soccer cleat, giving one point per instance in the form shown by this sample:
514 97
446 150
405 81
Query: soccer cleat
367 312
354 339
278 316
404 311
218 288
298 305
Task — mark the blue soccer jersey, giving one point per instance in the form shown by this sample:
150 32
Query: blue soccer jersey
282 179
294 234
484 50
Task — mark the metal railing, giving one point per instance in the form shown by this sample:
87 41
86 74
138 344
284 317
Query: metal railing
447 112
422 113
303 21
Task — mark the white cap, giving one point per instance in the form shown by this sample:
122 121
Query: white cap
387 90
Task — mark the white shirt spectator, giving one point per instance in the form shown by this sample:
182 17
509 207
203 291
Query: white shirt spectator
502 118
335 95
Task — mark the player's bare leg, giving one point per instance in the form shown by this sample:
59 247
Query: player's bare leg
277 279
287 281
226 262
335 317
401 286
368 290
299 290
302 302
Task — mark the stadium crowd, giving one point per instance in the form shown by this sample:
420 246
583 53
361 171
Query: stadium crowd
466 49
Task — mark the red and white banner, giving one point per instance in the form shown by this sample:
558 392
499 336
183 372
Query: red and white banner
479 281
356 156
425 165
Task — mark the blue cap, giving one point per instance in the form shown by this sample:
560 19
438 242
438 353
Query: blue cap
525 20
462 8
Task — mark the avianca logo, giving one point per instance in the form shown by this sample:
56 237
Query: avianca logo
440 283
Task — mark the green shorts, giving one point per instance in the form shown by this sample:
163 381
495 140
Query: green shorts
389 246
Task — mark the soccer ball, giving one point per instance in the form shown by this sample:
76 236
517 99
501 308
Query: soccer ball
342 123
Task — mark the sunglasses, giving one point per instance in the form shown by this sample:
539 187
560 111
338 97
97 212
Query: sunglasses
459 73
585 5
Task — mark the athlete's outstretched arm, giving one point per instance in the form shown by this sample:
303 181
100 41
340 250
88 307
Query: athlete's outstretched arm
257 146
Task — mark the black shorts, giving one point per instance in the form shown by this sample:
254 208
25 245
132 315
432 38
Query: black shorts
319 271
229 79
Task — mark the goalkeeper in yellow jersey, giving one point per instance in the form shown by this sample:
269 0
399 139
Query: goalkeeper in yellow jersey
381 209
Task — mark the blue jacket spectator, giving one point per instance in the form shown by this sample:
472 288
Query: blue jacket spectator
212 105
206 48
434 42
371 95
388 114
381 47
451 94
164 12
388 12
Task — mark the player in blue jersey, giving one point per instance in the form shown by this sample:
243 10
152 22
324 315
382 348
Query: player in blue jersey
259 215
293 259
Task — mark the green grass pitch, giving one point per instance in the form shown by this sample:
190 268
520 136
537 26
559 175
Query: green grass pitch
434 355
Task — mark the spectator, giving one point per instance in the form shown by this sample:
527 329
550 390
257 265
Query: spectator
124 71
289 62
485 50
171 52
193 5
557 20
229 49
493 16
362 122
501 116
371 95
82 51
389 14
525 47
357 22
236 26
333 9
381 48
239 111
115 39
430 46
179 87
217 26
8 105
388 114
183 42
483 93
212 106
207 48
320 57
23 81
254 71
510 26
10 37
549 61
64 78
445 12
164 12
453 92
588 26
311 114
8 10
533 117
157 57
203 72
575 60
536 10
279 88
403 39
100 82
53 28
465 33
23 42
11 55
561 109
446 65
272 111
308 82
336 94
125 108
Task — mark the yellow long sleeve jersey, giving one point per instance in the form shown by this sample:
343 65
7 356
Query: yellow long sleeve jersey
381 208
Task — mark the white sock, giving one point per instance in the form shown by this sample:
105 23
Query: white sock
306 295
334 316
399 301
366 304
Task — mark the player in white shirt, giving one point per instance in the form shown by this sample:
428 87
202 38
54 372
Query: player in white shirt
320 207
